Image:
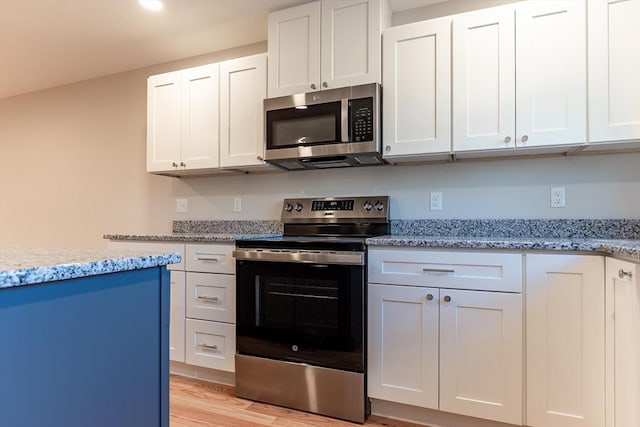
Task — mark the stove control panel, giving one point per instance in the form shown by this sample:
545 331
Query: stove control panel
333 209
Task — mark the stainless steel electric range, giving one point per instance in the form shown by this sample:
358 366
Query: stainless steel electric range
301 307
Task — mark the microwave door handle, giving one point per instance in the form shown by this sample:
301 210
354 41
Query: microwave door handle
344 127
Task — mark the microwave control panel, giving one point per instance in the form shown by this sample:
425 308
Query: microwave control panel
361 120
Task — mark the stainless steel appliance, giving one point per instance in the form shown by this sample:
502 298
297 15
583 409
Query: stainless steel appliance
301 307
326 129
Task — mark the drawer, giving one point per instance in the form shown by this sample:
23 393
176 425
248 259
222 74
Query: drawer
210 344
487 271
152 247
212 258
211 297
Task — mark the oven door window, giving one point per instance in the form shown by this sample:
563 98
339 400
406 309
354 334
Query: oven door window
302 312
292 127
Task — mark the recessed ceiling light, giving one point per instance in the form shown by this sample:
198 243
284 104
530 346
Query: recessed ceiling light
151 4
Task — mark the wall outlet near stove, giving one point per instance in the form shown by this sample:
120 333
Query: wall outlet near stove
435 201
557 197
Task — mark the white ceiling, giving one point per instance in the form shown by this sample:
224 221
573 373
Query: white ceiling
46 43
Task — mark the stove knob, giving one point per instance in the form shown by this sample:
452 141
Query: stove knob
289 207
298 207
367 206
379 205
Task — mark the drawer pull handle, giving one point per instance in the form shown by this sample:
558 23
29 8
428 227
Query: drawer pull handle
429 297
438 270
447 298
207 259
622 274
208 347
208 299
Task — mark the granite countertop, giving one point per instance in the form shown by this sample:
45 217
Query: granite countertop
190 237
621 247
27 266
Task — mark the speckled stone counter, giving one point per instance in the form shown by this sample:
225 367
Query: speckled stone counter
621 248
227 231
30 266
187 237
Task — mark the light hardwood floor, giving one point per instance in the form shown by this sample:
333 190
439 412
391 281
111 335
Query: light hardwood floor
195 403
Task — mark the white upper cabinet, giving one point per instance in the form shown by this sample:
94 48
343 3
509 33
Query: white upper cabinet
182 120
519 76
324 45
164 122
243 87
417 90
350 42
484 80
614 67
551 78
200 117
294 50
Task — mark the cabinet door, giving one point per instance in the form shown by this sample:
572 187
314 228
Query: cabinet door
163 122
565 340
614 67
417 89
484 80
623 343
176 317
350 41
294 50
481 362
403 345
551 73
243 87
200 118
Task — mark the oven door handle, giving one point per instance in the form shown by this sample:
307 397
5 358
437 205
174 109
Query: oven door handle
305 257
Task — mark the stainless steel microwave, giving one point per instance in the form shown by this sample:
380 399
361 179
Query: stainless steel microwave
326 129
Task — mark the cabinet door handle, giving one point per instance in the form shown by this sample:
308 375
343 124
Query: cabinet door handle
313 86
174 164
524 138
183 164
325 85
447 298
208 347
387 148
438 270
622 274
206 259
507 139
429 297
208 299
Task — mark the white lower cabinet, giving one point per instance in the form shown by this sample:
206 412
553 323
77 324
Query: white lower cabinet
203 302
623 343
565 340
436 347
481 354
403 344
210 344
176 317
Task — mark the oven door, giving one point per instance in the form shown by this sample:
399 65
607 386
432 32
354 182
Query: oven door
301 312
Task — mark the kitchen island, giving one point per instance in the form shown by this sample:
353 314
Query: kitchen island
84 337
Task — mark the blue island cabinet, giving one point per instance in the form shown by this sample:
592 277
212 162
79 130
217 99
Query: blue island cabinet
87 352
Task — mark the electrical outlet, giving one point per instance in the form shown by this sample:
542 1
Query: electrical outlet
237 204
182 206
435 201
557 197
